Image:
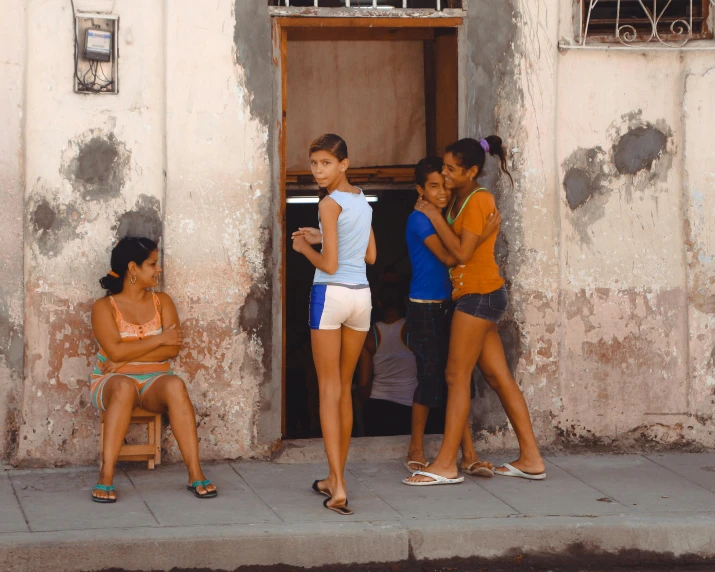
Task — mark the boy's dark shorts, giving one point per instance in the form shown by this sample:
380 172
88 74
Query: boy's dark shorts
428 326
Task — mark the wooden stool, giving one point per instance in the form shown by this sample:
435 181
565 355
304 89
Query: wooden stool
151 452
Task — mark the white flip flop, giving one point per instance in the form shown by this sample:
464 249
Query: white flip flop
438 480
514 472
411 470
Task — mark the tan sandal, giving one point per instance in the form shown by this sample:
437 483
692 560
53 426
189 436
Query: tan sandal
421 466
478 469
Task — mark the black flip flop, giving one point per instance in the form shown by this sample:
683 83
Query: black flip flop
320 491
341 510
207 494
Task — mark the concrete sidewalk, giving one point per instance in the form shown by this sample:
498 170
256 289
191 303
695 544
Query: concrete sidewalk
266 513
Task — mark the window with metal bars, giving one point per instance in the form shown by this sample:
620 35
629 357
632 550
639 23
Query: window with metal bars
670 22
385 4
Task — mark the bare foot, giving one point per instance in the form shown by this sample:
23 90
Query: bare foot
201 489
478 468
100 494
530 468
324 486
416 461
335 490
447 472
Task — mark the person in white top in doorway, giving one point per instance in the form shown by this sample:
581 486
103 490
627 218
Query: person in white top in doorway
387 371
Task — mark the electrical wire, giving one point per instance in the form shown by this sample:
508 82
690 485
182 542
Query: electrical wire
94 66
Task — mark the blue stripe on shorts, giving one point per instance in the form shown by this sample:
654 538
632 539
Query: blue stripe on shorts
317 305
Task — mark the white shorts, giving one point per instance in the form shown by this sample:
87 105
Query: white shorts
333 306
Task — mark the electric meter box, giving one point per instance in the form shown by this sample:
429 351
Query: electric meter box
98 45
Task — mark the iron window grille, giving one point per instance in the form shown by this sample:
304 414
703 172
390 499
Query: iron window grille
385 4
672 23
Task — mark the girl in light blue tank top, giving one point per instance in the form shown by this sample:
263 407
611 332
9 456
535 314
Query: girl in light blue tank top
340 303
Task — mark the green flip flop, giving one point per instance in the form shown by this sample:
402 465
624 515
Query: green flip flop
105 488
207 494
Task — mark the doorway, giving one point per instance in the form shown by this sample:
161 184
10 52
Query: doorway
395 102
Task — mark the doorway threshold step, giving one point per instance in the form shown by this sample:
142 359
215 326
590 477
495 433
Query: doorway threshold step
370 449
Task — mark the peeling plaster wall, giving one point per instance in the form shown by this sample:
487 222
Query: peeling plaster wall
219 218
12 65
93 172
509 62
697 118
606 244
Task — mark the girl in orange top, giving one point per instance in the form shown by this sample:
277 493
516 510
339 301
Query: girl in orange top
481 300
138 333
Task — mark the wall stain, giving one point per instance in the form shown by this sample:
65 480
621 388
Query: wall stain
143 220
52 224
638 149
99 167
585 175
252 38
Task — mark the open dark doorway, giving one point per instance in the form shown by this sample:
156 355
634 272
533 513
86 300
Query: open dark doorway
395 103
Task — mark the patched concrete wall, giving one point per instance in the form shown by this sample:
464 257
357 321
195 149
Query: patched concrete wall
12 68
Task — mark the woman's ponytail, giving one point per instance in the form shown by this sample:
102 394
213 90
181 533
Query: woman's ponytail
112 283
496 149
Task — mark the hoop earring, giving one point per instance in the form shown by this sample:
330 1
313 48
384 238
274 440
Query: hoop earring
134 279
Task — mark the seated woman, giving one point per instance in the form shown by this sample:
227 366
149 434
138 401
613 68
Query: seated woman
138 331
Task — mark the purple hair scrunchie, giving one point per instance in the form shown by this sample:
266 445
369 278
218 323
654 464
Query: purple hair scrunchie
485 145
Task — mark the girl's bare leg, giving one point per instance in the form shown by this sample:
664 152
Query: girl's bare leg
326 349
168 393
119 397
465 346
416 451
492 363
351 344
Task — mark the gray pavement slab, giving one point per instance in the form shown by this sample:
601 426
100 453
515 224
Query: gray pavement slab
62 501
637 482
696 467
164 491
464 500
12 519
559 494
286 489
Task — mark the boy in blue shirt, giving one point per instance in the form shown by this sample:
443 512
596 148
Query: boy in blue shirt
429 316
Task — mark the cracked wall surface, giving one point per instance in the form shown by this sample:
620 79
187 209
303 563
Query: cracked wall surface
606 241
12 64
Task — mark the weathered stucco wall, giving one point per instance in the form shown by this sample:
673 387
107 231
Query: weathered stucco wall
12 66
93 172
181 154
218 232
607 244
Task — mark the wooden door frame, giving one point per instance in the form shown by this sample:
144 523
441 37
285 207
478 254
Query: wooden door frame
363 28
